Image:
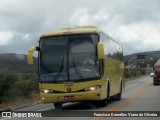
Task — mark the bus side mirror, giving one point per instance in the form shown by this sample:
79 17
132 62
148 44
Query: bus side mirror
100 49
30 54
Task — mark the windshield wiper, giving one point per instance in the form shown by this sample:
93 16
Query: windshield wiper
76 70
60 71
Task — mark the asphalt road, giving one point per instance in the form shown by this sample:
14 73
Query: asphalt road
139 95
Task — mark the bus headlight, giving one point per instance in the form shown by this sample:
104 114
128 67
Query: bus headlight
46 91
93 88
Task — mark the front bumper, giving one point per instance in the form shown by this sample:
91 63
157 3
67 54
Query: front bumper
73 97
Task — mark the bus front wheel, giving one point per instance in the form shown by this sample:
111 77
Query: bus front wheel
102 103
58 106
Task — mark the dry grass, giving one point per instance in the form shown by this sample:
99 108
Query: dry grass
19 102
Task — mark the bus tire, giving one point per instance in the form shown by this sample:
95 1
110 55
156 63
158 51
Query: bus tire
102 103
118 96
58 106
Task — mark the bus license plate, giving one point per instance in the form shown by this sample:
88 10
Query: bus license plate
68 97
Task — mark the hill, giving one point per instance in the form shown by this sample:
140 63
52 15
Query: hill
150 57
18 62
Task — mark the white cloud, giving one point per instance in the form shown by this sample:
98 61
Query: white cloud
27 37
143 36
82 17
6 37
133 22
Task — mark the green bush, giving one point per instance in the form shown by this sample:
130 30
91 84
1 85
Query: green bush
22 87
134 72
143 71
12 87
33 82
7 80
126 73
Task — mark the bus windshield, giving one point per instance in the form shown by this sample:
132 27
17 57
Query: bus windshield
68 58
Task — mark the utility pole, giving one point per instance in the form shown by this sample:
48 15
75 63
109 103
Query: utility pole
129 63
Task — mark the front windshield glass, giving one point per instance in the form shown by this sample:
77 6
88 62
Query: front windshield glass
82 58
68 58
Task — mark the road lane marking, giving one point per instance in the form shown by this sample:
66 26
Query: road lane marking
130 99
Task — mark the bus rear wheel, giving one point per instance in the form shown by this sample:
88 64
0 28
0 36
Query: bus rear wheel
58 106
118 96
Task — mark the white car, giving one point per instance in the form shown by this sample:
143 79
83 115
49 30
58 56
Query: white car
152 74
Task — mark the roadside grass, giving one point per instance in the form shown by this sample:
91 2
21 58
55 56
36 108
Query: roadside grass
20 102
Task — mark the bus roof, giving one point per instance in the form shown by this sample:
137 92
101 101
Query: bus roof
75 30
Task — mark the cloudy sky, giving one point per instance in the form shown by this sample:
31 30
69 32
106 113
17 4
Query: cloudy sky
135 23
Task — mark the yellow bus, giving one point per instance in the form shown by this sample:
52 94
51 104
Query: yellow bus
78 64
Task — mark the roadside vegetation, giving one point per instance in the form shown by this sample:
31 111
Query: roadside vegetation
20 87
17 86
136 72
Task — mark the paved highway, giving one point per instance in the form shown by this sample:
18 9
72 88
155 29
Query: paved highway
139 95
